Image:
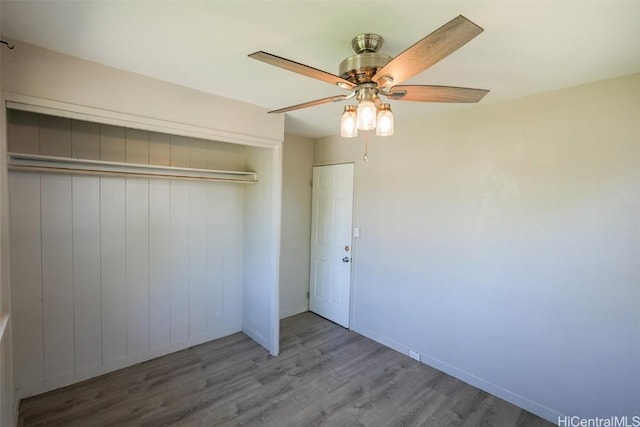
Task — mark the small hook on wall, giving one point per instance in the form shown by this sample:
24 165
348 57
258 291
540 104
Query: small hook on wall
9 45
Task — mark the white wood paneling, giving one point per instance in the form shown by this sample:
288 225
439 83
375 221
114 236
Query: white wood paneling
159 149
137 250
112 143
199 154
197 259
216 247
179 261
180 152
26 274
55 136
23 132
111 271
57 275
159 263
137 146
113 262
231 235
86 272
85 140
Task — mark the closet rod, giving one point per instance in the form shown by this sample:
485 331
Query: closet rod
15 168
65 165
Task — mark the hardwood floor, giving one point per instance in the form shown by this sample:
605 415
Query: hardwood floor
324 375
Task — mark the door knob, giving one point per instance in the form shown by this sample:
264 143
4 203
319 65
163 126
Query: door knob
345 259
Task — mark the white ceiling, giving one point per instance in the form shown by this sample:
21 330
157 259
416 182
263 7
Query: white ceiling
527 47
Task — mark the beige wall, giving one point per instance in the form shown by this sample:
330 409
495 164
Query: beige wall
33 71
296 224
502 243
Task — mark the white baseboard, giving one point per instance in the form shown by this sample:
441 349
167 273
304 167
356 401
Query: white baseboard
94 371
387 342
294 311
515 398
256 336
511 397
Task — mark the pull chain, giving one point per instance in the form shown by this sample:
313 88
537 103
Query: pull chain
366 147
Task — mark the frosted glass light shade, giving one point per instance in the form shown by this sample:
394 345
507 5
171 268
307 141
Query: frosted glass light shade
384 121
366 115
348 127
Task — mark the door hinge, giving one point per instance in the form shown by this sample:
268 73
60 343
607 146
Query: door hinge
308 295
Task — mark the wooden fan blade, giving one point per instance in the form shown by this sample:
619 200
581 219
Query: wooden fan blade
425 93
305 70
431 49
311 103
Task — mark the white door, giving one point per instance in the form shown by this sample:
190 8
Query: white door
331 217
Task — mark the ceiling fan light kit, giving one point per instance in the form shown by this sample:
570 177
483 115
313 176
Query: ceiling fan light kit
348 127
366 111
369 74
384 121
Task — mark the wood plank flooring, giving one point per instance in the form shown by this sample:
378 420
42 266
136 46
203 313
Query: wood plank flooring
325 375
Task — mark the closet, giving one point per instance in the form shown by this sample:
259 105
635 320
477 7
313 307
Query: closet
129 243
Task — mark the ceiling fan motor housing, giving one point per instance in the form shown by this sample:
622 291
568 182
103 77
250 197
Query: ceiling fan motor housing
361 67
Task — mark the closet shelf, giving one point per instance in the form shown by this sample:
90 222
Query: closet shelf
69 165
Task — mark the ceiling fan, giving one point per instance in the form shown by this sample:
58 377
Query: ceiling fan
369 74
